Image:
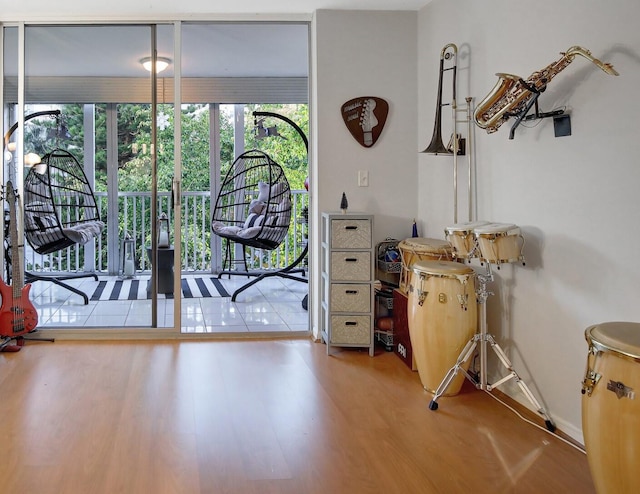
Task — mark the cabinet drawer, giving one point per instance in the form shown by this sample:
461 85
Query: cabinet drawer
351 330
350 297
350 234
351 266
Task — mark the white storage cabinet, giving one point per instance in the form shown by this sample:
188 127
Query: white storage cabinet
348 267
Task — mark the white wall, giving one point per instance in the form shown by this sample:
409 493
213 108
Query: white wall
365 54
575 198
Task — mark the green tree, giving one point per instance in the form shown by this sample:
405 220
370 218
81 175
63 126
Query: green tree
289 149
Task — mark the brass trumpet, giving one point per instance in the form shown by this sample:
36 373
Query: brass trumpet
511 94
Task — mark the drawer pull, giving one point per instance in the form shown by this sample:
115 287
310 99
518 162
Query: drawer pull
351 292
351 227
351 323
350 259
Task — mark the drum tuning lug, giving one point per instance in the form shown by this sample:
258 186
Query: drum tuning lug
590 380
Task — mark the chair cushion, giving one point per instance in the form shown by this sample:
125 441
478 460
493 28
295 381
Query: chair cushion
254 220
40 222
83 232
257 206
263 192
222 229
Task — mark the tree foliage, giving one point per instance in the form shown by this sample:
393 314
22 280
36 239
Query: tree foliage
134 170
134 142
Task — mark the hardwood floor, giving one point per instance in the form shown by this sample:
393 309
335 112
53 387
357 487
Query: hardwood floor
268 416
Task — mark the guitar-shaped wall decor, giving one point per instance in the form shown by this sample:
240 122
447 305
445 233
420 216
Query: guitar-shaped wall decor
365 118
18 316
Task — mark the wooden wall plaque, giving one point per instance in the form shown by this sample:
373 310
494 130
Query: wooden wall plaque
365 118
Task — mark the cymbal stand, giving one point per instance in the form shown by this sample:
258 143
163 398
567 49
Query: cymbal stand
482 338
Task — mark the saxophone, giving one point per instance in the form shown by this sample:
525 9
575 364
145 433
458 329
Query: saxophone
511 94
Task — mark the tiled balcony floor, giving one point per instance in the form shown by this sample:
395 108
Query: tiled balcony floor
271 305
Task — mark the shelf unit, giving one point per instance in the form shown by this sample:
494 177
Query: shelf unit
347 304
388 268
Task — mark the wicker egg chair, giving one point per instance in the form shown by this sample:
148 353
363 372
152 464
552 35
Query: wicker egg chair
253 209
60 211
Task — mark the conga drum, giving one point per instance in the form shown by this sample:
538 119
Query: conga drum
610 407
420 249
462 239
442 317
499 243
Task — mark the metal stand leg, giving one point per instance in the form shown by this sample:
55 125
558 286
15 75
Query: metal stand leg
483 338
465 355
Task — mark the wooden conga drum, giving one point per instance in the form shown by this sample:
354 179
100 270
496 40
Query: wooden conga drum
443 317
610 407
420 249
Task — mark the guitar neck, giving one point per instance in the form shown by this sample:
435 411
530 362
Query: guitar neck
17 277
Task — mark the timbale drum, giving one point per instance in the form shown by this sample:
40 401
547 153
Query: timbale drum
610 407
443 317
420 249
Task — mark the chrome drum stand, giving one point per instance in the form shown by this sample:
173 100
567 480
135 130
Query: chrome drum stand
482 338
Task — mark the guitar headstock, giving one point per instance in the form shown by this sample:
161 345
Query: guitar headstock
368 119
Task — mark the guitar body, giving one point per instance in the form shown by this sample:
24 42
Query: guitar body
18 316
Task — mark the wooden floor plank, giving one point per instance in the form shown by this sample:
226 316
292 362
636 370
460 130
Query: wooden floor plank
271 416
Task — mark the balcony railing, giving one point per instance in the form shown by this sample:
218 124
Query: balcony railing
201 251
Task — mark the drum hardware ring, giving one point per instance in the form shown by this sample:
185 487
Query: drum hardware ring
482 338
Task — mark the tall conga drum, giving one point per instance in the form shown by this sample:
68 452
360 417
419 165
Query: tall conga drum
420 249
610 407
443 317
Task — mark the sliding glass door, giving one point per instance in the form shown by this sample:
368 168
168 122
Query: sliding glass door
82 144
127 130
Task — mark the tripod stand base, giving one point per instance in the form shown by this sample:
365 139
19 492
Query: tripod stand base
482 383
482 338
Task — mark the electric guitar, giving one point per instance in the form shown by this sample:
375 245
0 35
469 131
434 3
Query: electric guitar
17 314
